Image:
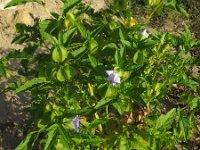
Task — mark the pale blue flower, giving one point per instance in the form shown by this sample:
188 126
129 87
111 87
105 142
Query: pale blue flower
75 123
113 77
144 33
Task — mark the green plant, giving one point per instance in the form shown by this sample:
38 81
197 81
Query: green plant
98 81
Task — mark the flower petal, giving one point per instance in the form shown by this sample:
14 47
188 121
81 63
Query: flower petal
109 72
75 123
116 79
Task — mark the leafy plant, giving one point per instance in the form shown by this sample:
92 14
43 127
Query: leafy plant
100 80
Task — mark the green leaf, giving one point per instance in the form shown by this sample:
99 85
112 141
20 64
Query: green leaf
48 37
64 138
18 2
59 54
184 124
164 122
138 57
68 35
110 46
2 69
103 102
126 43
68 72
189 82
118 58
91 140
48 25
140 141
52 135
27 143
31 83
69 4
83 31
93 60
195 103
93 46
18 55
181 9
123 144
110 92
19 39
60 38
121 34
60 75
82 111
79 52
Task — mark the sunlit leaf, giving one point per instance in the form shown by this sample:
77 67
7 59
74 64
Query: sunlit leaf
28 142
52 135
18 2
164 122
31 83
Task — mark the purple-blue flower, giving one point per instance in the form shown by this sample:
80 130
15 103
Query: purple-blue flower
113 77
75 123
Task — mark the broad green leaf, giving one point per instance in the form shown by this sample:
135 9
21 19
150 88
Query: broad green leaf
48 25
123 144
2 69
103 102
68 72
126 43
48 37
18 2
68 35
28 142
31 83
93 46
140 141
111 46
138 57
81 28
93 60
110 92
51 137
64 138
59 54
164 122
79 52
60 75
121 34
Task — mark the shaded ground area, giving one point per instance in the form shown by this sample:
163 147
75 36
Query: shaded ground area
12 116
